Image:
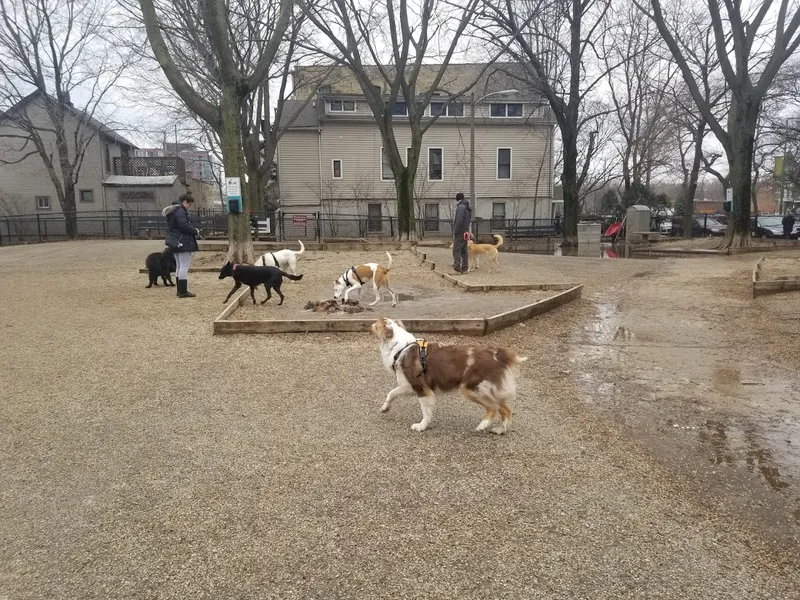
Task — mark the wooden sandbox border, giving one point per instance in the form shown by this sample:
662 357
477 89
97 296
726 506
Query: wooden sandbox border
477 326
493 287
764 287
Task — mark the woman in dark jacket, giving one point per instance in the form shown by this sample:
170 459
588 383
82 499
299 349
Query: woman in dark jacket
181 239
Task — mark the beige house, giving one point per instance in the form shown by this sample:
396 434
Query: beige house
331 160
110 177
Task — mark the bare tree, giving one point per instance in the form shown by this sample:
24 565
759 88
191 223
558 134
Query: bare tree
12 208
639 89
214 65
697 43
56 69
389 48
751 48
557 42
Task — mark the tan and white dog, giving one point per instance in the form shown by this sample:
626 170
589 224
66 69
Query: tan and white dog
356 277
475 251
484 375
285 260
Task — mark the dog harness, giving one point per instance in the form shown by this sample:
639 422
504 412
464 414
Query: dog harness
423 352
355 274
275 260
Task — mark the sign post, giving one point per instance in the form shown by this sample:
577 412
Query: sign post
233 193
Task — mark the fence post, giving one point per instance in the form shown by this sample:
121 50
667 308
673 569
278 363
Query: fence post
121 224
319 232
45 230
705 224
39 226
391 226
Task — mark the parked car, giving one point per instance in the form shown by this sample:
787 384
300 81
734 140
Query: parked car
772 226
665 227
701 226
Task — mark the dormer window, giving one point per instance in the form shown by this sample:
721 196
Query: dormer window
341 106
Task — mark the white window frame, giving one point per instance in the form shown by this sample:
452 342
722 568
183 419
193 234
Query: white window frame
505 111
80 197
510 164
447 105
343 110
428 165
333 168
380 167
39 204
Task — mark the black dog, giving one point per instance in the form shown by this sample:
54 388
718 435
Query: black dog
270 277
160 264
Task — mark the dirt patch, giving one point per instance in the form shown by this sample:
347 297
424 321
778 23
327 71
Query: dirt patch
775 269
335 307
208 259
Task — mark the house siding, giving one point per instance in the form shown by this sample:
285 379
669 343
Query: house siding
358 146
299 171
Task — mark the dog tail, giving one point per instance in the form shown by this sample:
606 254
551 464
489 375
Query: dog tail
302 247
389 266
499 239
292 277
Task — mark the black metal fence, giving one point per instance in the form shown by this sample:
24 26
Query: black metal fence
21 229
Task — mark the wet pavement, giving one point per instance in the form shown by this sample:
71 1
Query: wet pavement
668 372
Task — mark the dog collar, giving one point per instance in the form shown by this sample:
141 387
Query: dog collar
423 352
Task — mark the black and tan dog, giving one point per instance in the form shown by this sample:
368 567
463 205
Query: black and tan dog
160 264
269 277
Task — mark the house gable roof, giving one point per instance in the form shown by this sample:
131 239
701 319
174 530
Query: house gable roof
91 121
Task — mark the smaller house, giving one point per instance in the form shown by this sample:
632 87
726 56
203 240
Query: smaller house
110 176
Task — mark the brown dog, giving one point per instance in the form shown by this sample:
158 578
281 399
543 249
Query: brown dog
483 375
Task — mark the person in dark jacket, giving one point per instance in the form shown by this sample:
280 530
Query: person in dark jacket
788 223
460 227
181 239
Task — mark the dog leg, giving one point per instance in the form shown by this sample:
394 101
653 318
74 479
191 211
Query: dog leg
426 403
394 296
400 390
505 414
269 294
253 293
488 403
278 291
377 293
236 286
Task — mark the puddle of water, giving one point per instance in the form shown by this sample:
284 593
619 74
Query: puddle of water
730 444
680 369
587 250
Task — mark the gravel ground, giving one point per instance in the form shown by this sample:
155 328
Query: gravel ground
776 268
142 457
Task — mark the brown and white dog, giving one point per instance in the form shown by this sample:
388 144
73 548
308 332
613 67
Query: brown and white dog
356 277
484 375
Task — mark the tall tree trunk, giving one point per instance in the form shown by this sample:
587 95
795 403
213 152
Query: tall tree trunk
694 174
240 248
569 180
742 121
404 186
68 206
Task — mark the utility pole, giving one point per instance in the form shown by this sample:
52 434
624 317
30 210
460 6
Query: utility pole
783 168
